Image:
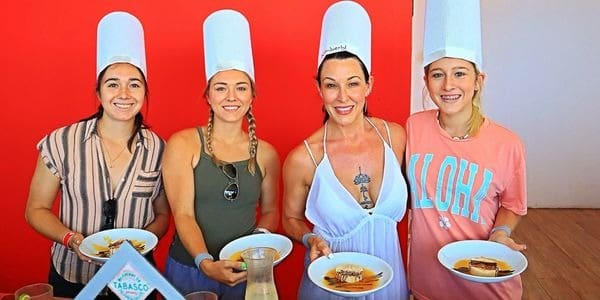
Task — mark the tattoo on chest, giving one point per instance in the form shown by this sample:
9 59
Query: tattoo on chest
361 180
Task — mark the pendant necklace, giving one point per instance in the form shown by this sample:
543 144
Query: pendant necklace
459 137
111 161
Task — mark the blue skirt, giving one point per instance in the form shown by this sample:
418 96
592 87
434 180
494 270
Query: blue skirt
188 279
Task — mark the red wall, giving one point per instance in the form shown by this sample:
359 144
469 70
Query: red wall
47 70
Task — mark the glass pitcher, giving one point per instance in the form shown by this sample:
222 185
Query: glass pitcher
260 283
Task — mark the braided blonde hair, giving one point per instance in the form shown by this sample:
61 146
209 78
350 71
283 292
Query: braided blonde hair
209 131
253 147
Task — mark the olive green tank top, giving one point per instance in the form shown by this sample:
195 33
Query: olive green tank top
220 220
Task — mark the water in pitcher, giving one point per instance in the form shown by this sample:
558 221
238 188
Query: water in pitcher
261 291
260 284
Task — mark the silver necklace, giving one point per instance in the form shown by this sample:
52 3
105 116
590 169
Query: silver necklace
111 161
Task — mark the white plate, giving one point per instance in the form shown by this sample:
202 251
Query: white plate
281 243
320 266
453 252
103 238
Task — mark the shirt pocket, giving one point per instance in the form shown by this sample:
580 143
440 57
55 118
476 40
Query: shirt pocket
146 185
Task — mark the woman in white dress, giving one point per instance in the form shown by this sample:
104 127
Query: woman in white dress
346 177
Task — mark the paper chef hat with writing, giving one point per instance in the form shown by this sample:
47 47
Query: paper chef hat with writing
346 27
452 29
227 43
120 40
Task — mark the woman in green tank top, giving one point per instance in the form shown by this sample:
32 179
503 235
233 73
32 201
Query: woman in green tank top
217 175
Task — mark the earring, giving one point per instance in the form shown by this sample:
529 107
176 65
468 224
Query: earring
365 107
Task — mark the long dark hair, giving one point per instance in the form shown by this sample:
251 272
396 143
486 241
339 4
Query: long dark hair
341 55
138 123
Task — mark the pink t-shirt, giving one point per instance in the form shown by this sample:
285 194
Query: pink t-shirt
457 187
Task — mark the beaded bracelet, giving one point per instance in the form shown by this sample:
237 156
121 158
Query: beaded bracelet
67 237
202 256
305 238
503 228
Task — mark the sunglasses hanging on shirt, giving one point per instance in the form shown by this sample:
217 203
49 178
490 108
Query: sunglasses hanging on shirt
109 210
232 189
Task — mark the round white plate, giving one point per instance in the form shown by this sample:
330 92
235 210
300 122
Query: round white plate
281 243
455 251
103 238
320 266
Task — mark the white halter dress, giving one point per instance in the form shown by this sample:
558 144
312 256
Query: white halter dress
347 227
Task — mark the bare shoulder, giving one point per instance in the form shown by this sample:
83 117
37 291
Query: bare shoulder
186 141
396 130
398 133
185 135
298 168
301 155
267 151
297 157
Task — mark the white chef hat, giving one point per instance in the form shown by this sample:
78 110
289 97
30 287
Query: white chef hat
120 40
452 29
346 27
227 43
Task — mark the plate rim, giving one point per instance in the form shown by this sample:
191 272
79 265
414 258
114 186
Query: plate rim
482 279
351 294
284 238
151 235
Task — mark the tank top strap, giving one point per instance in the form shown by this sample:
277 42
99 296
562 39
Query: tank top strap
201 139
379 133
310 153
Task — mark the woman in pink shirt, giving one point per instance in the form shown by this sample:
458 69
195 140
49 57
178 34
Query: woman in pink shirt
466 173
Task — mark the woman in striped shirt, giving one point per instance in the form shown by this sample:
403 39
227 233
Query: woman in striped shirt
107 168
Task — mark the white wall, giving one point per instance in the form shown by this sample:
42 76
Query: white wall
542 59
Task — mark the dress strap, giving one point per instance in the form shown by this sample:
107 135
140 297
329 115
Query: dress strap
387 129
379 133
310 153
325 139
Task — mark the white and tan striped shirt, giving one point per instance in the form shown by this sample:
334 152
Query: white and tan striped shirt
74 154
